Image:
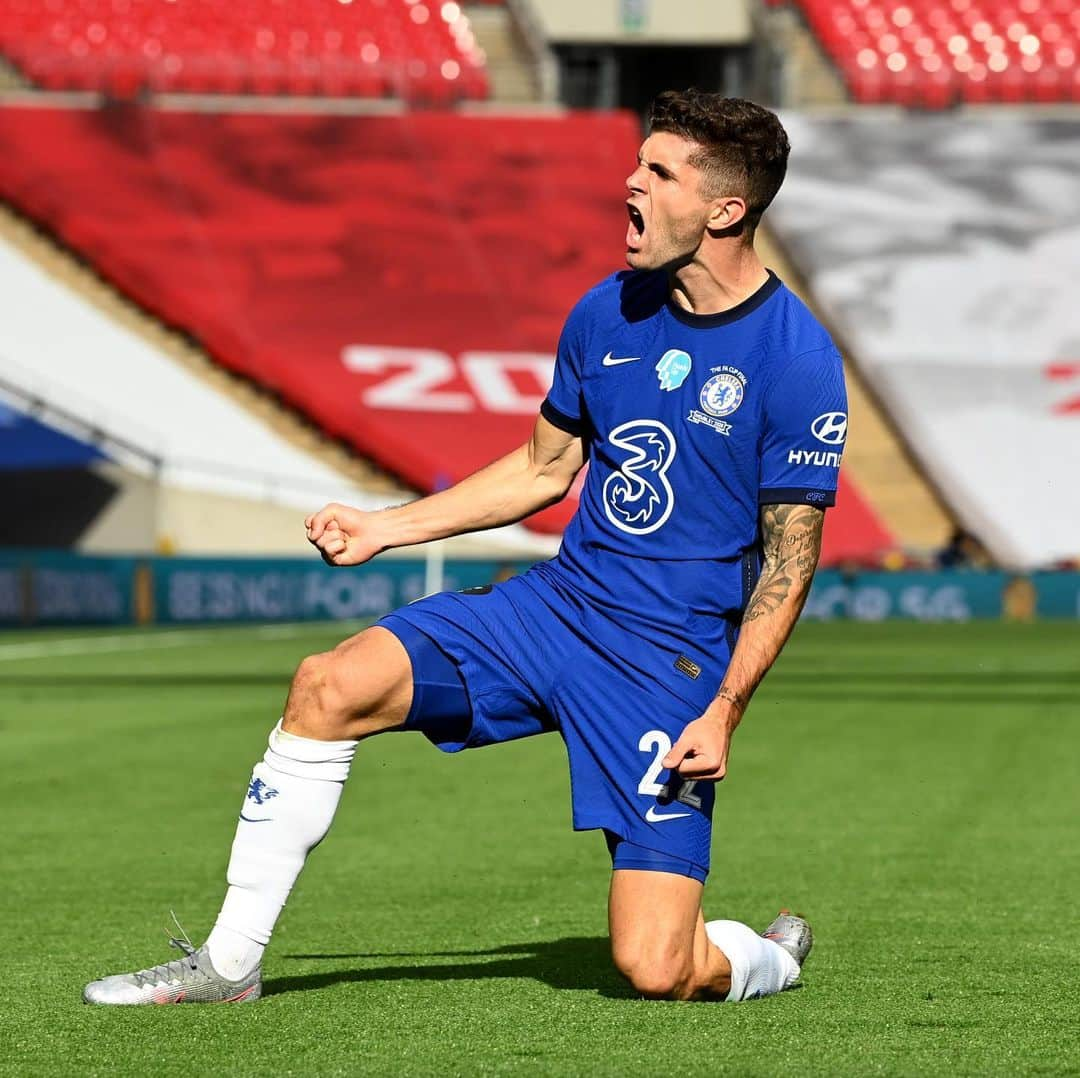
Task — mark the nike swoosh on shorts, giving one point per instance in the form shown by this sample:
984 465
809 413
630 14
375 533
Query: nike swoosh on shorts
655 817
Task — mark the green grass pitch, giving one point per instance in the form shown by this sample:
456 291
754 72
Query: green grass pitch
914 789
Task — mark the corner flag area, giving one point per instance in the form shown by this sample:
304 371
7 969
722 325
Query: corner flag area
927 775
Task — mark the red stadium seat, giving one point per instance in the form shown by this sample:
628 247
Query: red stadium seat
422 48
933 52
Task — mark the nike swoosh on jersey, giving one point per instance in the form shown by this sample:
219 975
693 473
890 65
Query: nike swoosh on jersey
613 361
655 817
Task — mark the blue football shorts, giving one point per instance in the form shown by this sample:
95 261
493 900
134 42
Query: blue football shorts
527 657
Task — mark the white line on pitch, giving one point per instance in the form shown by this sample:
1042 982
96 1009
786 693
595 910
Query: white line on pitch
170 638
91 645
286 629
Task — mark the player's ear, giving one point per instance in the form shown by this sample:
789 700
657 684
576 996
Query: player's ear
726 213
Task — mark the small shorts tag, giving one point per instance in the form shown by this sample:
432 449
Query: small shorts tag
688 667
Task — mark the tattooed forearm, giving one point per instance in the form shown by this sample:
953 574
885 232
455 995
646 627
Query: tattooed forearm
769 595
791 536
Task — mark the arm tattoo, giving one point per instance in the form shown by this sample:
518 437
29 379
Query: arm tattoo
791 535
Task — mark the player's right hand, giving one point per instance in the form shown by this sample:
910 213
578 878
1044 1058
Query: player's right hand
702 749
344 536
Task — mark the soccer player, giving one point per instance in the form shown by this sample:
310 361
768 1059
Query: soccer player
710 407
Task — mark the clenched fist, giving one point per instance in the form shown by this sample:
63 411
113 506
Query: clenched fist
345 536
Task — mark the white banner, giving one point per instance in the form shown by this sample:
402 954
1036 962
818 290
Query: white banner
945 251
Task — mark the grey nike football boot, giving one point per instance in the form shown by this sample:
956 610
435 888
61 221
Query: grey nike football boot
191 979
793 933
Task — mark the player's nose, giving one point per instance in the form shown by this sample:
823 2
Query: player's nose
636 180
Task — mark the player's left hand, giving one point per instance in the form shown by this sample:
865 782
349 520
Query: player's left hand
702 749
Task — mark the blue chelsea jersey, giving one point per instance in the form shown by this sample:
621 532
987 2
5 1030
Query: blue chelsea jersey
691 423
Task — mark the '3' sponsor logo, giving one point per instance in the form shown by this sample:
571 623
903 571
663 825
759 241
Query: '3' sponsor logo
638 497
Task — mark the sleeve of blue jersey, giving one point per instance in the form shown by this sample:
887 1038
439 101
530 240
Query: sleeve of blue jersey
563 407
804 430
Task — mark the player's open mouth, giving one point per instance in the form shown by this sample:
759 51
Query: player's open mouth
636 229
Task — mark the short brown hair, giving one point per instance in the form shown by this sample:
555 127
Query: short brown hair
744 147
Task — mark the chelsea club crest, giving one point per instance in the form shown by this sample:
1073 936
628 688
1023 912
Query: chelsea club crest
723 393
720 396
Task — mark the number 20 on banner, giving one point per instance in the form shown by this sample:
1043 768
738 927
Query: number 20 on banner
418 379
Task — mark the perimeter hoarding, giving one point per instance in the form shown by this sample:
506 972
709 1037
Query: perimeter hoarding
230 590
72 589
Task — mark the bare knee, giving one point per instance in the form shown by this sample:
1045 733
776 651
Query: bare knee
314 686
316 706
657 975
360 688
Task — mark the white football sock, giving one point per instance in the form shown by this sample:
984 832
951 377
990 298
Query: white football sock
290 803
759 967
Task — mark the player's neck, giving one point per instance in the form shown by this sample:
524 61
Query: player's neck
716 284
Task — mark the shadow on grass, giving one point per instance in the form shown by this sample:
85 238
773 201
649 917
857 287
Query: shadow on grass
576 962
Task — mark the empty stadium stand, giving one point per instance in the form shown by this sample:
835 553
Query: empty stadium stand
945 250
27 443
417 50
400 280
876 459
124 436
935 53
81 390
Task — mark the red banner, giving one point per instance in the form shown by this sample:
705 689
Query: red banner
401 280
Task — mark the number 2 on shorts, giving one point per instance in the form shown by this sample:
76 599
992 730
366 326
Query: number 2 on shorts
659 742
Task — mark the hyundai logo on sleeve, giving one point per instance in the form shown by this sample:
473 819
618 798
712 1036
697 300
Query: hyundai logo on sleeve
830 428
